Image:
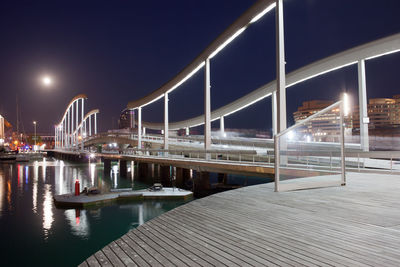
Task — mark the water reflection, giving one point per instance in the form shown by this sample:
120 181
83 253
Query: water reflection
92 170
78 221
114 174
35 186
47 210
20 174
2 189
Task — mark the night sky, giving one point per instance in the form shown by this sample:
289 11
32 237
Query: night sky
117 51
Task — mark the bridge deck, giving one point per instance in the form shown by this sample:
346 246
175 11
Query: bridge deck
356 225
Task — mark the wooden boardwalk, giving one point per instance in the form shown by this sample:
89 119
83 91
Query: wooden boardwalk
355 225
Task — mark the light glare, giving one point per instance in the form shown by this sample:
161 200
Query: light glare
47 81
346 104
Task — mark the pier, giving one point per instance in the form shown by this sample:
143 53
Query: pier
354 225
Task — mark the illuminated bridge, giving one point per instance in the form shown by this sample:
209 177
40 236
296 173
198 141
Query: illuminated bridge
285 156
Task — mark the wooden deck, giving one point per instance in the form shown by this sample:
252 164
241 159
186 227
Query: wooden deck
355 225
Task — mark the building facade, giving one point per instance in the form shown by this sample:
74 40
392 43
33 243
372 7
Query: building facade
382 113
2 128
324 128
127 119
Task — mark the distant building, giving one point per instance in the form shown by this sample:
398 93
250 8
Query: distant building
2 129
382 113
324 128
127 119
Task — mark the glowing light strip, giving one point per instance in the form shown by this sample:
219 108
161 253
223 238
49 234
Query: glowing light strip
321 73
187 77
384 54
230 39
152 101
248 104
265 11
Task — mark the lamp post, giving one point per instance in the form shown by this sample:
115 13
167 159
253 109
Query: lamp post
34 125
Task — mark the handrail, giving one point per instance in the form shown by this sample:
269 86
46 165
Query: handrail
302 122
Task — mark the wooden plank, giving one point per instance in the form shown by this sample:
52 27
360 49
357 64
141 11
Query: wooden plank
187 257
102 259
218 242
356 225
122 255
133 235
116 261
162 250
186 244
92 261
148 258
83 264
132 253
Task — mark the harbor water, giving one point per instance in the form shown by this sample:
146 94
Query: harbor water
36 233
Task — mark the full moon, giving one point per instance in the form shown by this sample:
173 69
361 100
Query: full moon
46 81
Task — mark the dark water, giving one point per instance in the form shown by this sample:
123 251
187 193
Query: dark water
35 233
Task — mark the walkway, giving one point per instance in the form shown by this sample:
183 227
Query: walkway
356 225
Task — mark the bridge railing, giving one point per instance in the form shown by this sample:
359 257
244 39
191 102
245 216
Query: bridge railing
296 158
227 156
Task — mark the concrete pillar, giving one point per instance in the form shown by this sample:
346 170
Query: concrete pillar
207 106
77 123
222 126
165 176
222 178
107 165
144 131
95 123
187 131
142 171
274 114
122 168
280 67
202 182
72 125
186 177
362 102
180 181
166 121
139 146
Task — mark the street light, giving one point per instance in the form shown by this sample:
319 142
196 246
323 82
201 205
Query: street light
34 125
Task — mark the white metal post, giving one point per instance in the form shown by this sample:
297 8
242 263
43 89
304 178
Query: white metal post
76 123
72 125
280 79
139 146
68 129
362 102
207 106
274 114
342 154
62 133
166 129
280 67
277 162
222 126
90 125
95 123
